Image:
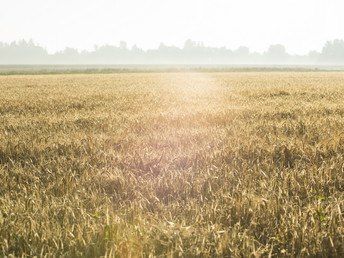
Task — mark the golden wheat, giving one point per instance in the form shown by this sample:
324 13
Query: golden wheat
172 164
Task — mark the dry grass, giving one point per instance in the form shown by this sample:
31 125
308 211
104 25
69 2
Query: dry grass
172 164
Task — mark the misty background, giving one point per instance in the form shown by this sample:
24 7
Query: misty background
219 32
28 52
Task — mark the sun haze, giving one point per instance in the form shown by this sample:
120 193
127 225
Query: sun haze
300 26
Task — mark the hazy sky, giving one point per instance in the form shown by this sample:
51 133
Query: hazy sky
300 25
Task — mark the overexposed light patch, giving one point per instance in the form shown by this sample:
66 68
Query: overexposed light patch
299 25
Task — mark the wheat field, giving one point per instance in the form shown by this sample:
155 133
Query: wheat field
188 164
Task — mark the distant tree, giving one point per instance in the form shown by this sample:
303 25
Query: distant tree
193 52
242 51
189 44
314 56
240 55
123 45
70 52
67 56
333 51
22 52
276 54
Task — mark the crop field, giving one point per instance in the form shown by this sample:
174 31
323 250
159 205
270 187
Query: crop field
185 164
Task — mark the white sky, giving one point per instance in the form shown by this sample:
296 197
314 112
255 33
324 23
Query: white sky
300 25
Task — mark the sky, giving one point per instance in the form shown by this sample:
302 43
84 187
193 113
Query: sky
299 25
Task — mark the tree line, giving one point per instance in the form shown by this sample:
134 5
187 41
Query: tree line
28 52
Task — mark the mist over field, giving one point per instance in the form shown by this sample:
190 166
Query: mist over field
171 32
28 52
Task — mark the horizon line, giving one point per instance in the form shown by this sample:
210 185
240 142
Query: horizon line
136 46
